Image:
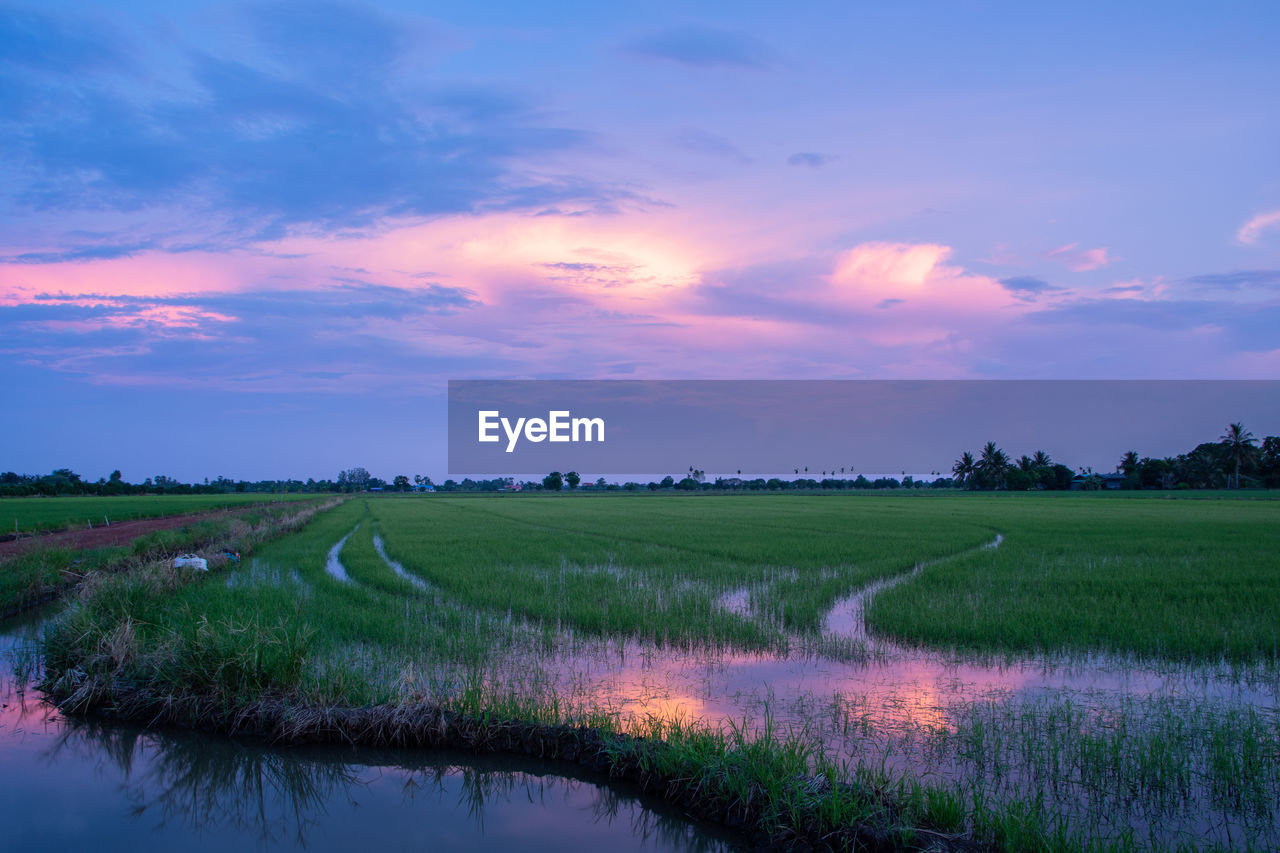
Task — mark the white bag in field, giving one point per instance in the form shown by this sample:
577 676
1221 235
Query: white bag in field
191 561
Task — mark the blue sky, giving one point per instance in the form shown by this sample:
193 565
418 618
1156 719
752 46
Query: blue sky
292 223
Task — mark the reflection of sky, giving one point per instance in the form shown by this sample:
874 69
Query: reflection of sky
279 214
897 690
79 785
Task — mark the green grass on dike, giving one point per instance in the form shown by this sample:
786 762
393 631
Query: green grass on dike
33 514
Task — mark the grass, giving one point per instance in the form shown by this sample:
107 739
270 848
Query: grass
43 572
1160 579
482 652
35 514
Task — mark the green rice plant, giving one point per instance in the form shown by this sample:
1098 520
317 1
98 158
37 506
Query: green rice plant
1160 579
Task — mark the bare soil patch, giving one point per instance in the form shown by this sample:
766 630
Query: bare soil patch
117 533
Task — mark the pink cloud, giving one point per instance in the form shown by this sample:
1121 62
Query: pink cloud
1074 258
1252 230
636 295
913 277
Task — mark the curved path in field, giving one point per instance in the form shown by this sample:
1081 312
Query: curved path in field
395 566
847 619
333 565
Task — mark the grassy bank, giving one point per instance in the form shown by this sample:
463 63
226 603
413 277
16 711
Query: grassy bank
45 572
34 514
484 623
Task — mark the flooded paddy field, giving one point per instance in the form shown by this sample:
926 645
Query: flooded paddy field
78 784
1026 672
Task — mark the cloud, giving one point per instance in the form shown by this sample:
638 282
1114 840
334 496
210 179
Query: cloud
709 144
279 340
1243 326
308 124
812 159
1000 256
1079 260
1237 280
1249 232
80 254
1026 288
702 47
850 293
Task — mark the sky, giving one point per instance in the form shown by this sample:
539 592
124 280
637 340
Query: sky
257 239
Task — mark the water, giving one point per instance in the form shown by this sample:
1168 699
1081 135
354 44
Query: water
333 565
75 784
1115 744
396 567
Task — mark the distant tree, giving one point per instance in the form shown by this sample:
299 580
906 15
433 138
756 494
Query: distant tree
354 479
572 479
553 482
400 483
1026 464
1129 463
1240 444
1270 461
1018 479
667 482
1040 459
964 469
993 466
116 476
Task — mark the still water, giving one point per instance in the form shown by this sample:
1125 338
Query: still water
69 784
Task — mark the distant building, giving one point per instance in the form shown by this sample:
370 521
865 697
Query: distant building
424 487
1106 481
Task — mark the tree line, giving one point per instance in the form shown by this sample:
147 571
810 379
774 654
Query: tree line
1236 460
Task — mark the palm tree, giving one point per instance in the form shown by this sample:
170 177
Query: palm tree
993 465
1240 442
1128 463
1026 463
1041 459
964 469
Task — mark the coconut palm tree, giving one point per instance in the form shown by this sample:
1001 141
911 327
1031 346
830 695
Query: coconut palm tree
1026 463
1128 463
1240 443
1041 459
993 465
964 469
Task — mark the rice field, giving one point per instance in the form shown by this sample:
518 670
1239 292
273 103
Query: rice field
1036 671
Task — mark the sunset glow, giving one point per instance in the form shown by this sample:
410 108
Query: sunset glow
389 199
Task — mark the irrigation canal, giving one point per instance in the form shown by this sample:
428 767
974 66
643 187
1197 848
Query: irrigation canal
72 784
